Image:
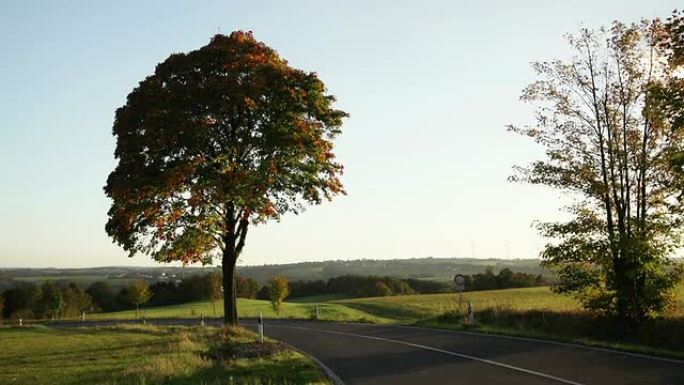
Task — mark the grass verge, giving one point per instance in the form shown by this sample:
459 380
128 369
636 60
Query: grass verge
662 337
143 355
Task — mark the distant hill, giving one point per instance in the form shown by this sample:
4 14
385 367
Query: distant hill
426 268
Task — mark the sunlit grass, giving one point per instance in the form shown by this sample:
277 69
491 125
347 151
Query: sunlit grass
418 307
402 309
140 354
248 308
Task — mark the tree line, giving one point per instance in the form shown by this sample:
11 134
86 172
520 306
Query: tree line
380 286
55 300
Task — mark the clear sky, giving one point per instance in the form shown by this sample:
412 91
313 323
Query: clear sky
430 86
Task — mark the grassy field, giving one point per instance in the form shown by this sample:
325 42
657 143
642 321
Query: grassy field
148 355
532 312
250 308
396 309
413 308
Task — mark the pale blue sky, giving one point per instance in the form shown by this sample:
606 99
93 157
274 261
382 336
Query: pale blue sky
429 85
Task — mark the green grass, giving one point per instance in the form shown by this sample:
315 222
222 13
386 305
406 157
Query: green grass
397 309
411 308
148 355
532 312
249 308
317 299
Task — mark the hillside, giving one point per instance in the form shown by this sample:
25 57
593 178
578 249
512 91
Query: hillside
427 268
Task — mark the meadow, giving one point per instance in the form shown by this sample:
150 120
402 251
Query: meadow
137 355
250 308
530 312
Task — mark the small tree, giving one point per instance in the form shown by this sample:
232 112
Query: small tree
381 289
214 288
139 294
253 287
76 300
278 290
102 295
50 299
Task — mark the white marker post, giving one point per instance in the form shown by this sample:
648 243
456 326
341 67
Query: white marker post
201 319
20 322
318 314
260 323
470 320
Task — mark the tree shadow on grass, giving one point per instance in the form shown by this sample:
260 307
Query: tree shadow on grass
389 312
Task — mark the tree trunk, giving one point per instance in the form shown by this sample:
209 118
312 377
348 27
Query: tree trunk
229 292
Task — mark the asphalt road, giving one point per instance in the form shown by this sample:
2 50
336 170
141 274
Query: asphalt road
378 354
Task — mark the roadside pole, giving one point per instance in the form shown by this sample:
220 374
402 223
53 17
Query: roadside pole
470 315
459 280
260 322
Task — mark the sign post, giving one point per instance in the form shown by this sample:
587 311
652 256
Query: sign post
459 280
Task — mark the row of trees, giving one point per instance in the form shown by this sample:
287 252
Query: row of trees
56 300
378 286
48 300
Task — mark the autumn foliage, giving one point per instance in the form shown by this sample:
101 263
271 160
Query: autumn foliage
215 140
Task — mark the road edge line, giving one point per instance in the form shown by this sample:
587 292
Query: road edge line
437 350
545 341
328 372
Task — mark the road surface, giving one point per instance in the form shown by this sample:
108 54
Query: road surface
364 354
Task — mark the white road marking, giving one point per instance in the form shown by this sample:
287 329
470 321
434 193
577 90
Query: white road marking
537 340
430 348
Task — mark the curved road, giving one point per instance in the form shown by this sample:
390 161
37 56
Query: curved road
378 354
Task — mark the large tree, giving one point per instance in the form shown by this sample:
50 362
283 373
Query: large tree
608 143
217 139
